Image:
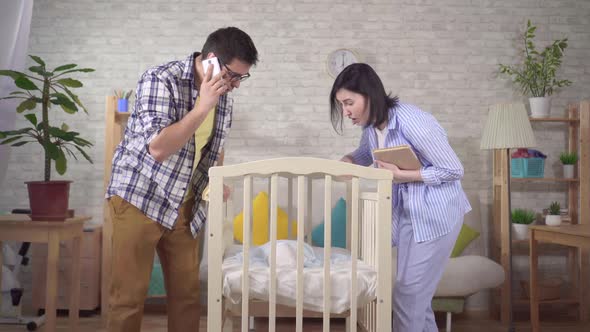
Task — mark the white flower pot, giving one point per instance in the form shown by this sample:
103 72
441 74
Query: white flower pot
552 220
568 171
540 106
520 232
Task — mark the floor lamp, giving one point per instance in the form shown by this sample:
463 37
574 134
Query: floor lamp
508 127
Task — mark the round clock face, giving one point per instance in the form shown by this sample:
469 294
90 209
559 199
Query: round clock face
339 59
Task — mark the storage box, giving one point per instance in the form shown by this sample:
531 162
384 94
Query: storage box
527 167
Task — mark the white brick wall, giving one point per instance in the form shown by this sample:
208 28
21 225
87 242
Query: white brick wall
441 55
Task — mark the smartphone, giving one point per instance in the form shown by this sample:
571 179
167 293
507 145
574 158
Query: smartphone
214 62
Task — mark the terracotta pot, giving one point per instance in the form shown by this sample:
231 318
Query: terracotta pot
49 200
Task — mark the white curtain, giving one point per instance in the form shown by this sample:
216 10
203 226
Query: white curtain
15 26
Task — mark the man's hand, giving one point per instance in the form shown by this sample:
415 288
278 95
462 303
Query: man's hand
211 88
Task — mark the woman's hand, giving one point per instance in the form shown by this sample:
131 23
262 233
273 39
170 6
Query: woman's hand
400 175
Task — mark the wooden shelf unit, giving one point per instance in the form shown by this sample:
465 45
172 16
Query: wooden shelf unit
577 123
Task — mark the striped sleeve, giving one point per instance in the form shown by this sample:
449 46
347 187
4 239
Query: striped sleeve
430 140
362 155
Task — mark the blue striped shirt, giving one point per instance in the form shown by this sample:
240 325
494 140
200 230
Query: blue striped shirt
164 95
435 205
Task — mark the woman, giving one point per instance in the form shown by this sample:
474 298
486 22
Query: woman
429 203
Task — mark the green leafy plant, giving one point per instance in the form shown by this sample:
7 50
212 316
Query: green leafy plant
522 216
47 88
568 158
121 94
554 209
536 76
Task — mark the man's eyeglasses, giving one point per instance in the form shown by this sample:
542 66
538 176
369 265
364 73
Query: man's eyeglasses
233 76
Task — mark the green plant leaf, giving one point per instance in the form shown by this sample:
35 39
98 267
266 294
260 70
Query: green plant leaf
75 99
28 104
66 104
83 70
17 93
70 82
32 118
86 156
61 163
21 143
64 127
12 73
82 142
65 67
38 60
25 83
40 70
10 140
2 135
52 150
66 136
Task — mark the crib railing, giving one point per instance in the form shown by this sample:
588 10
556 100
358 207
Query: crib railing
369 238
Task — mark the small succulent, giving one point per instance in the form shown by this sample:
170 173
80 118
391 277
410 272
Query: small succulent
522 216
121 94
554 209
568 158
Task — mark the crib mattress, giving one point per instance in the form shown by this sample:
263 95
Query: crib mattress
313 282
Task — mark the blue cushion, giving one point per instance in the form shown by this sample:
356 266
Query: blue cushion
338 227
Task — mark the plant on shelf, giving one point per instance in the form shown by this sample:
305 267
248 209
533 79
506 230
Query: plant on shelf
536 76
45 88
521 218
554 216
122 100
568 160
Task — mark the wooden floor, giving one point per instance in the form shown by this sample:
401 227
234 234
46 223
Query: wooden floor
157 323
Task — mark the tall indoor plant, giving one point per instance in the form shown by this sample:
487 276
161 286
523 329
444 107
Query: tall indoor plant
48 199
536 77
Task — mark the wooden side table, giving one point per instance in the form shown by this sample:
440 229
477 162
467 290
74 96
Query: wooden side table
21 229
577 235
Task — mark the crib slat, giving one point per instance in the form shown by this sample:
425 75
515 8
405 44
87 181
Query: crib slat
348 212
353 217
383 218
308 222
273 252
327 249
289 208
246 250
214 254
301 193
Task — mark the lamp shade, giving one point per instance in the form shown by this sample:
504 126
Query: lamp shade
507 127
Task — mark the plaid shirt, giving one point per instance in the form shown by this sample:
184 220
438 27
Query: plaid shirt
164 95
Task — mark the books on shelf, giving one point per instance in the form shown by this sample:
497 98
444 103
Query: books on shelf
402 156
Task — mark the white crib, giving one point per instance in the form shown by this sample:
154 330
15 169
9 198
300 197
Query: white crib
368 239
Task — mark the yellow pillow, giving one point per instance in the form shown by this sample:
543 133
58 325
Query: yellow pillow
260 225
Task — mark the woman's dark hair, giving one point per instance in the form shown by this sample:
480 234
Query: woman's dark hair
231 43
362 79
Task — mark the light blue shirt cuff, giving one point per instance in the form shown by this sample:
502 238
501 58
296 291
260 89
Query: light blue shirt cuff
429 176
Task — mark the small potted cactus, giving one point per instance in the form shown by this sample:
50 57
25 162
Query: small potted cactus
554 216
521 219
568 159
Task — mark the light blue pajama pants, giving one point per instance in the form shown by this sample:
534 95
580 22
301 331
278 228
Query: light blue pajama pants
419 269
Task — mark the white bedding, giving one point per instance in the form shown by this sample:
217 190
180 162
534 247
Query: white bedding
313 275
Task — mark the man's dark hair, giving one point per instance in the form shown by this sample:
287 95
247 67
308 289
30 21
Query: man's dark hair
362 79
231 43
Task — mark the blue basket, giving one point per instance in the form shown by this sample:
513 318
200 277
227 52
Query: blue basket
527 167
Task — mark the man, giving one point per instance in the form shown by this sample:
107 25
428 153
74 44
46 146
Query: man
176 131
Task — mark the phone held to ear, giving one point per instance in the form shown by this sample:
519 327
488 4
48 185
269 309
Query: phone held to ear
215 62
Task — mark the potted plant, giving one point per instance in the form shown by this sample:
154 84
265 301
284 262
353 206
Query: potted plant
122 100
48 199
521 219
554 216
568 160
536 77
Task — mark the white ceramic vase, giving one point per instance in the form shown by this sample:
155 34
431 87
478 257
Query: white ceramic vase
520 232
568 171
552 220
540 106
